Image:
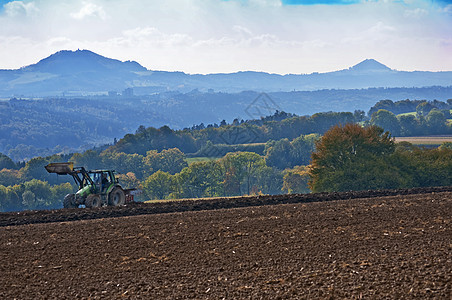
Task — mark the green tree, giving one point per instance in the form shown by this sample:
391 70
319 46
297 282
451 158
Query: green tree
302 148
128 180
6 162
424 108
89 159
13 199
278 154
35 169
170 160
9 177
159 185
283 154
409 125
386 120
124 163
29 200
58 193
42 192
296 180
436 121
426 167
359 115
242 168
3 195
201 179
268 181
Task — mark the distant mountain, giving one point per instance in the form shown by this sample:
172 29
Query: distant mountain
369 65
80 61
82 72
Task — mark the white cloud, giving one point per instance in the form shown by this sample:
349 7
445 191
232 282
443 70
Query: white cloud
202 36
381 28
448 9
90 10
20 8
242 30
415 13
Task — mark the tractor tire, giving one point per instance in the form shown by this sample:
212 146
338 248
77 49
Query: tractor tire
69 201
116 197
93 200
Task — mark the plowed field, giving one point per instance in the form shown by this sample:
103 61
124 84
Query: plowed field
383 247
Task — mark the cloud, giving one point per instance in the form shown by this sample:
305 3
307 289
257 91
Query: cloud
242 30
415 13
381 28
20 8
90 10
203 36
448 9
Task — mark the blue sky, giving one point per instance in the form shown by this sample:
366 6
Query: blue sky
211 36
312 2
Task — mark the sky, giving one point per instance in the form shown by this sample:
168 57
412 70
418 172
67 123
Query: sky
223 36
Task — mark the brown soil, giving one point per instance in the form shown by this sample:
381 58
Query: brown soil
384 247
134 209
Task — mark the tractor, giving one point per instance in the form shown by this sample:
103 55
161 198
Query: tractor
95 188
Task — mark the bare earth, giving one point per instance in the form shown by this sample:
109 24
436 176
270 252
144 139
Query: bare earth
386 247
425 140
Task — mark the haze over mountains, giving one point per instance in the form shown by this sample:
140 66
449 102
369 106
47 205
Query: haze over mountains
82 72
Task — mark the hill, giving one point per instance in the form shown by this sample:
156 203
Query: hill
83 72
40 127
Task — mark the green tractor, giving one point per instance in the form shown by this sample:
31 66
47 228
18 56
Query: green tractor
96 188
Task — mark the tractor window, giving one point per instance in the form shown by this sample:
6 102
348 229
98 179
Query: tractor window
105 178
95 177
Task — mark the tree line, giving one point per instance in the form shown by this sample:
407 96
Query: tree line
163 174
276 154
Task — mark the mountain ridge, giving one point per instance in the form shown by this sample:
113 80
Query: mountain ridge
83 72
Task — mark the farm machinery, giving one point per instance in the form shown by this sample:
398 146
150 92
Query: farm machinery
95 188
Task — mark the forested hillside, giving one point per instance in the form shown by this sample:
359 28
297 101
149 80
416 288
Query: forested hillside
270 155
40 127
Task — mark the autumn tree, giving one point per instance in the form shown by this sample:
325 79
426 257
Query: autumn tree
353 158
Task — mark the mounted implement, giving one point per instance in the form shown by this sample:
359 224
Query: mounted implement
96 188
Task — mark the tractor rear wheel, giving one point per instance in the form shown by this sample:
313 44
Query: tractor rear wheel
69 201
116 197
93 200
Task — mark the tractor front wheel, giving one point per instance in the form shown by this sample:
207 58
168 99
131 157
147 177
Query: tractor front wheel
69 201
93 200
117 197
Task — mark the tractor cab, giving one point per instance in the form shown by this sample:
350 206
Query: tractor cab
102 179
